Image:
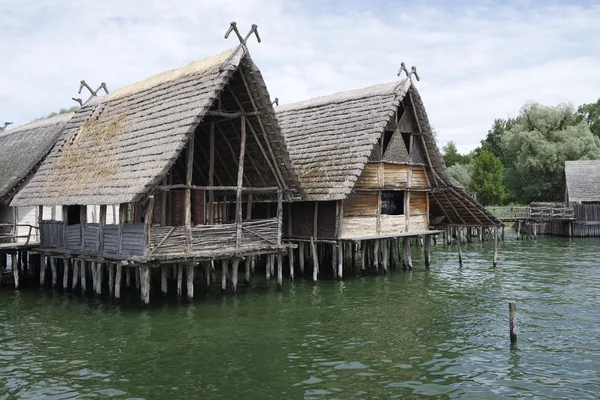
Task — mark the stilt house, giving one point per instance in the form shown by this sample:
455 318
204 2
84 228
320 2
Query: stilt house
194 159
23 149
371 169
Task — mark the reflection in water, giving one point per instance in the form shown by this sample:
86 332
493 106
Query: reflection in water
440 333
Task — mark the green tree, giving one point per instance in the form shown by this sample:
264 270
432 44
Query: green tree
452 156
493 140
462 173
61 111
487 179
590 113
537 146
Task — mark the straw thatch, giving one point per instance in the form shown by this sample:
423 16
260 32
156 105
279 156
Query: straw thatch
23 148
116 149
331 138
583 180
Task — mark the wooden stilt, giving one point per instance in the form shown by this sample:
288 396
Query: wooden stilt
340 259
208 268
66 265
82 275
118 275
512 321
291 262
253 265
190 281
301 252
363 256
247 268
394 253
407 253
145 284
15 269
75 281
518 229
334 254
503 233
234 274
376 245
54 272
272 264
179 280
224 267
279 271
43 267
99 276
315 257
268 267
495 246
164 273
128 277
427 251
458 240
138 275
111 279
385 255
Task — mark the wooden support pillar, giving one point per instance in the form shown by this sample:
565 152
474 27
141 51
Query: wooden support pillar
224 267
179 280
247 268
376 245
145 269
253 265
268 267
240 181
75 280
291 262
427 249
15 269
43 267
207 267
127 276
54 272
518 229
407 253
211 176
82 275
503 233
334 254
272 264
189 162
458 240
315 257
495 246
190 281
118 275
279 271
301 252
512 321
385 255
66 265
340 259
394 253
111 279
234 274
363 255
164 272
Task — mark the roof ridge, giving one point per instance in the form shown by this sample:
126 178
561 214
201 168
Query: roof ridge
54 120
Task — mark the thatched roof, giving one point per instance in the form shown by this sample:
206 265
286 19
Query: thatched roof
117 148
331 138
23 148
583 180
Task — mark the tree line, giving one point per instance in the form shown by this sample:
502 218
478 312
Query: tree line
522 159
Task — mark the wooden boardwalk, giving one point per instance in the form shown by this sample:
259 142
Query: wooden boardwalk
533 214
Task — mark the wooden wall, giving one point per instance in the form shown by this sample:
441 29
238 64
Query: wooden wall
392 176
302 219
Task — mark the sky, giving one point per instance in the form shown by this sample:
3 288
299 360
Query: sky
478 60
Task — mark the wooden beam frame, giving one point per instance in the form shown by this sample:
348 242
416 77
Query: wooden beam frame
189 161
240 180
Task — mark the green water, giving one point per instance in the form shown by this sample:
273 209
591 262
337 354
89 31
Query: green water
441 332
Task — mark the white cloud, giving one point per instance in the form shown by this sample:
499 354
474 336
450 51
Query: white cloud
477 63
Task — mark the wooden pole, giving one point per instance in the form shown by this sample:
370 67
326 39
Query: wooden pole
238 197
234 274
75 280
268 267
66 265
363 256
279 271
315 257
101 226
207 267
427 251
340 259
291 262
301 257
128 277
495 246
512 321
247 267
43 267
189 162
190 281
211 176
122 218
164 271
118 275
54 272
334 260
146 284
376 245
179 280
82 273
458 240
385 255
15 269
407 253
224 267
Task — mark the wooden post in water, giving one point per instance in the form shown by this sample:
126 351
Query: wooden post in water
518 228
179 280
75 280
66 264
43 267
512 321
224 267
385 250
376 255
334 260
407 253
15 269
340 259
190 281
234 274
82 274
53 269
247 266
268 267
315 256
495 246
111 279
363 256
427 249
164 271
279 271
301 257
118 274
291 262
458 234
145 284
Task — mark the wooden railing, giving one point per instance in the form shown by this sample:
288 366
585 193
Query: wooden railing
538 213
12 235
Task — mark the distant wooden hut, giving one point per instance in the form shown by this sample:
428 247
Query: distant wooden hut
582 194
22 149
372 171
194 159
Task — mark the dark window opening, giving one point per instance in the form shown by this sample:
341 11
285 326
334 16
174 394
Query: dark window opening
73 215
392 203
387 138
406 137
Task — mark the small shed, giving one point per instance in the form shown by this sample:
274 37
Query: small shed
196 163
372 171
